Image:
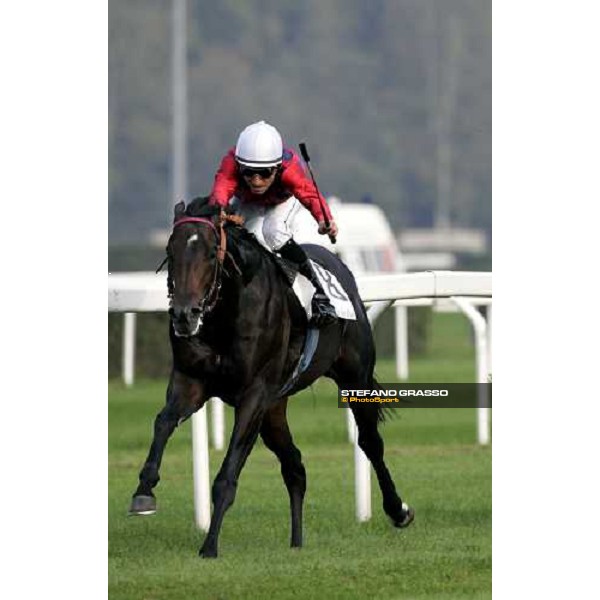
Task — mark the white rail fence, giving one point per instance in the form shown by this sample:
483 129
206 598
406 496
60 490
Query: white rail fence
146 292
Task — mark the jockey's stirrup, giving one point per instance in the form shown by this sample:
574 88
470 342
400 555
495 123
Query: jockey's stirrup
323 312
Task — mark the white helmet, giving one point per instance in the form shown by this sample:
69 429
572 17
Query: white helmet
259 145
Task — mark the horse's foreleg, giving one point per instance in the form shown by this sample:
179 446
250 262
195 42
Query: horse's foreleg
184 397
277 437
371 444
248 419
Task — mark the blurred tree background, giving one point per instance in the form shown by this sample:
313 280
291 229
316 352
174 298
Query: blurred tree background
383 91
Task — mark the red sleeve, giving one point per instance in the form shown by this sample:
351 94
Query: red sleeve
295 179
226 180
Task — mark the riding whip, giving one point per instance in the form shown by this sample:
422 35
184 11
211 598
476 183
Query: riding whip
306 158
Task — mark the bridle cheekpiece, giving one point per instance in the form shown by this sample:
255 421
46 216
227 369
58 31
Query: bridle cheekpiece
212 296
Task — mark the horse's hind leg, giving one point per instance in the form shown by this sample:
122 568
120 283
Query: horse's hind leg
354 367
184 397
371 443
277 437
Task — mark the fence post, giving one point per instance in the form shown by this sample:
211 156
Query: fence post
400 312
201 469
362 480
481 355
218 423
129 348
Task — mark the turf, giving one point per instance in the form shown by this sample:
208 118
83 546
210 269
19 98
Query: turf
432 455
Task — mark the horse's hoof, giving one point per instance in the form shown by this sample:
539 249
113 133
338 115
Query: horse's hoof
208 552
142 505
407 519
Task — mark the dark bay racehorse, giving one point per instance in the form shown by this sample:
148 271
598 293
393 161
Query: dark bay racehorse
237 332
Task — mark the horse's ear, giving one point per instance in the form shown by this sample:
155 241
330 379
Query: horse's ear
179 211
201 207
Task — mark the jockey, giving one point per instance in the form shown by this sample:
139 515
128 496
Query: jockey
270 185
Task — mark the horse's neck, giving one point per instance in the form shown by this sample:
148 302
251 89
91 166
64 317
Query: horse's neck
264 271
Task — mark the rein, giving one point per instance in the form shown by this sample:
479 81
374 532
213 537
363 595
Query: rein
210 299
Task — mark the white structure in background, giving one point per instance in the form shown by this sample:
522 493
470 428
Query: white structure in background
428 261
446 239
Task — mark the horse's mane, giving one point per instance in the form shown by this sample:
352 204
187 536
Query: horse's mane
246 242
200 207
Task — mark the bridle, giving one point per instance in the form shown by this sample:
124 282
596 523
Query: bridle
208 302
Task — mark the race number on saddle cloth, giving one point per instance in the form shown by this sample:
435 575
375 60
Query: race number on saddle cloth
304 291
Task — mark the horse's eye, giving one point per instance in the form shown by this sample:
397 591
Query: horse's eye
196 311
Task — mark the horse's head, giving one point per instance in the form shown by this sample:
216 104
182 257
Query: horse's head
193 271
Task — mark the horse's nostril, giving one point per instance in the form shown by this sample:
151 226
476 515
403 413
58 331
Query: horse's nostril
196 311
177 314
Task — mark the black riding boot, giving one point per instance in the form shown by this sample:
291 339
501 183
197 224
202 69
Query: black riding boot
323 312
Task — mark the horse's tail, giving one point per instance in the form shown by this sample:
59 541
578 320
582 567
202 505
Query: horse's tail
384 412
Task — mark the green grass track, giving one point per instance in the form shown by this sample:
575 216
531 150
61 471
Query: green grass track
431 453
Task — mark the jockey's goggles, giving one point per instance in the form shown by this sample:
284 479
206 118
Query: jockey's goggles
263 173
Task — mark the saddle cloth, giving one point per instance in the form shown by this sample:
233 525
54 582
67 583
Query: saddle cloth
304 291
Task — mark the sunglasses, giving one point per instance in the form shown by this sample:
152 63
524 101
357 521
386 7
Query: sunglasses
264 173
